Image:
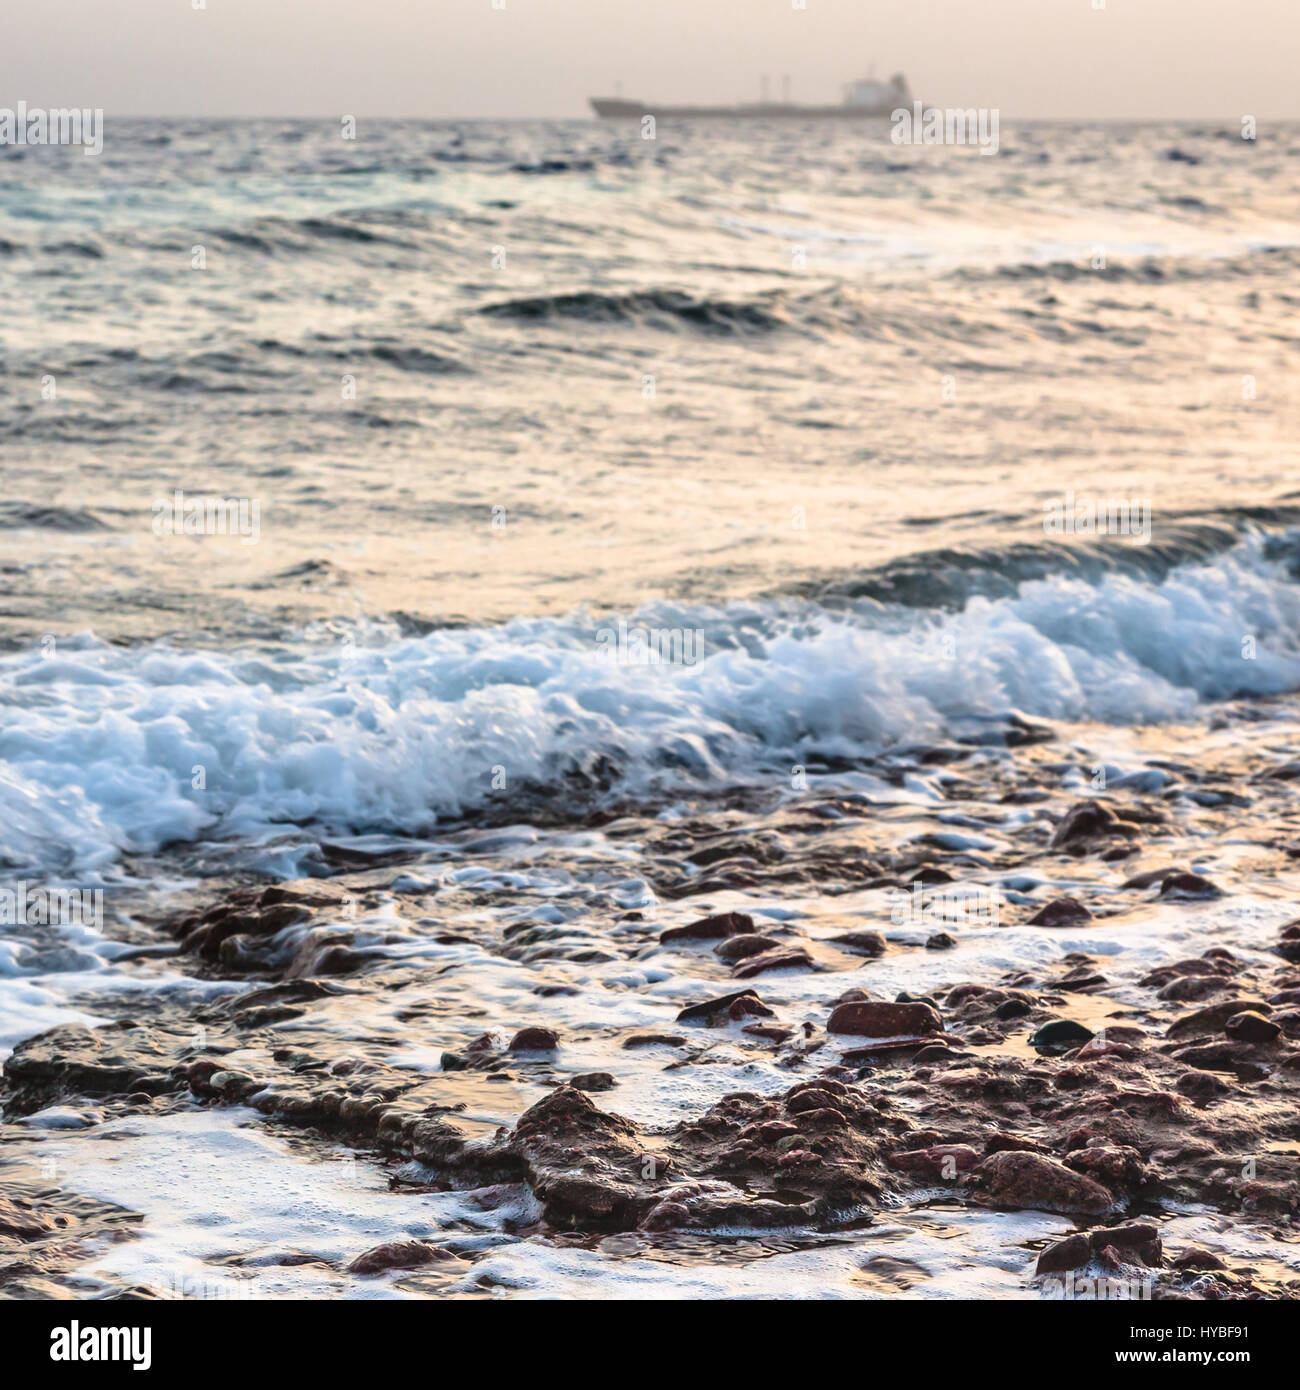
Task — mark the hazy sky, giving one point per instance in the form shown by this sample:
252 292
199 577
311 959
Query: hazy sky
1146 58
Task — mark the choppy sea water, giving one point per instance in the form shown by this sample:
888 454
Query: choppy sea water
587 487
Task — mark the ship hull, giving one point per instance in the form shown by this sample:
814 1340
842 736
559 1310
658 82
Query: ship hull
608 108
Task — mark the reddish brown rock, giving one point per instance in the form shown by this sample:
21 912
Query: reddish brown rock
869 943
1116 1166
723 924
786 958
22 1221
1135 1242
713 1009
879 1020
1208 1022
666 1216
1071 1253
593 1081
1060 912
1197 1257
740 947
1201 965
1151 877
399 1254
1252 1027
654 1040
1192 987
937 1161
769 1032
534 1040
1026 1181
1180 885
1085 824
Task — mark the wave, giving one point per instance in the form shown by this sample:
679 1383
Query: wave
1144 270
19 515
107 751
948 577
653 307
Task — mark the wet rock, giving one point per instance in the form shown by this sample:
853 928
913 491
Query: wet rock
740 947
713 1010
593 1081
654 1040
1288 944
666 1216
867 943
401 1254
1012 1008
534 1040
1197 1257
1083 979
1030 1181
1112 1041
1060 912
1060 1035
233 1085
73 1060
940 941
723 924
1189 886
1010 1143
1252 1027
1209 1021
1201 1085
23 1222
786 958
877 1020
822 1135
1193 987
1115 1166
1138 1242
769 1032
931 873
1201 965
1151 878
608 1188
938 1161
1226 1054
1083 823
1073 1252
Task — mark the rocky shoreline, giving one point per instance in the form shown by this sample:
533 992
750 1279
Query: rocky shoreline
1058 1085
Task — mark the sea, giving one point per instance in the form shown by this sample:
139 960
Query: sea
555 527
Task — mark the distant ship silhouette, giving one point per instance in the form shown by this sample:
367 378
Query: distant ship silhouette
866 99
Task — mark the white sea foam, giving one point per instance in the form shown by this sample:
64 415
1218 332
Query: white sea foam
100 748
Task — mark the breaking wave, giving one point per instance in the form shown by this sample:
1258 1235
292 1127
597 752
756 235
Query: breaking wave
106 751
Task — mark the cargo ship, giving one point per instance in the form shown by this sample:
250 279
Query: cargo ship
867 99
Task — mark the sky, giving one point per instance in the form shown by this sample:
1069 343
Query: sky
1146 59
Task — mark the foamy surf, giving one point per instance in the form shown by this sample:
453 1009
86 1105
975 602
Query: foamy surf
107 751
